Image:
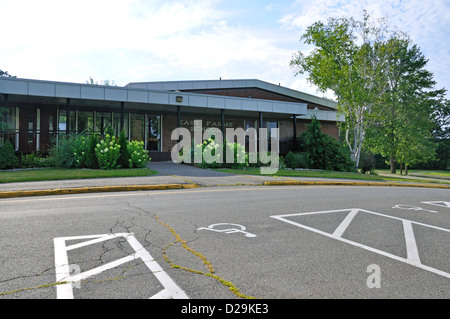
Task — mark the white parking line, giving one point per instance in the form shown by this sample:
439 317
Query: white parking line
412 252
62 267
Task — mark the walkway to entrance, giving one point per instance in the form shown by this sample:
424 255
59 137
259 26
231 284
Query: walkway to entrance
206 177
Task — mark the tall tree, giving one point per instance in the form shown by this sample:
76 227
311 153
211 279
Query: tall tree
3 110
403 128
349 58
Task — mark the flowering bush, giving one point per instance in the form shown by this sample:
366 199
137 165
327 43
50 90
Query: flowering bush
213 158
80 148
138 156
107 152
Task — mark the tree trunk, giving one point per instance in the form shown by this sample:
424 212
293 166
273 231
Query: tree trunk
401 168
406 169
393 169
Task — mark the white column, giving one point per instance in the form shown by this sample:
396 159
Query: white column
17 129
38 127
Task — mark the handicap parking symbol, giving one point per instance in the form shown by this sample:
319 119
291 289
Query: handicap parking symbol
236 229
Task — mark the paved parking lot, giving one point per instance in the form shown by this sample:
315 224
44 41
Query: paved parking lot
229 243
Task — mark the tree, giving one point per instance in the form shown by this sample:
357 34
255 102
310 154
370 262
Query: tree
8 158
124 156
103 82
313 142
6 74
402 130
4 110
349 58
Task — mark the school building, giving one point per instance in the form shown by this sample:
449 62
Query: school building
36 113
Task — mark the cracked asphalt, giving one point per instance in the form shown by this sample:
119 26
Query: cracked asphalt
282 262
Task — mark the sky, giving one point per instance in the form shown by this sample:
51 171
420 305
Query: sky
172 40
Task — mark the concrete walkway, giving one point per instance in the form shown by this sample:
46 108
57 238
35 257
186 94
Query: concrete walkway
174 176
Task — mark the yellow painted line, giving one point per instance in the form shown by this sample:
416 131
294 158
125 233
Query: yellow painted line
95 189
344 183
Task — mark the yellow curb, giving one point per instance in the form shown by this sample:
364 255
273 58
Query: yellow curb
95 189
280 183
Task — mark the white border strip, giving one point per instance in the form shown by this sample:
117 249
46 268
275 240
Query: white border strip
62 267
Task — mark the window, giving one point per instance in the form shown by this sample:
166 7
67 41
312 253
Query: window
85 121
62 121
137 127
154 133
270 125
116 124
102 120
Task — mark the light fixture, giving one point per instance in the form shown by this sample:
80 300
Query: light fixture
179 98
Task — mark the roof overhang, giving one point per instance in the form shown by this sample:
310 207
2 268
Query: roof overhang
138 95
232 84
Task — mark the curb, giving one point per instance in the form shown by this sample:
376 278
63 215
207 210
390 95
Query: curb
95 189
286 183
128 188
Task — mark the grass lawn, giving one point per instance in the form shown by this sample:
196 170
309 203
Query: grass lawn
46 174
420 173
325 174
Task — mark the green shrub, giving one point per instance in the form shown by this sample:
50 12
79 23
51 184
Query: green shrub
138 155
8 158
32 160
367 162
297 160
290 160
91 158
240 157
80 150
124 156
62 151
107 152
334 156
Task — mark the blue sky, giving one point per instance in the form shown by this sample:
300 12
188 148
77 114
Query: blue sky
154 40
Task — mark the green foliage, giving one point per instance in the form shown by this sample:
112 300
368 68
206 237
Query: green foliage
8 158
313 140
34 160
63 152
367 162
109 130
124 156
138 155
107 152
212 155
80 150
334 157
240 157
297 160
91 158
351 59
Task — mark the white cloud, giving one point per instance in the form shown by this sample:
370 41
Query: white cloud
426 22
151 40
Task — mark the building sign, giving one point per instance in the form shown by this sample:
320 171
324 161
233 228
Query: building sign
214 125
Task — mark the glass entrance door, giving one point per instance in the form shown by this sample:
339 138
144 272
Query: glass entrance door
154 133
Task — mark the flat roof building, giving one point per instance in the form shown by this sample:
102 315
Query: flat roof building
37 112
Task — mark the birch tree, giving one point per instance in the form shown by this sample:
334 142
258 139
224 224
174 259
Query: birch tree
350 58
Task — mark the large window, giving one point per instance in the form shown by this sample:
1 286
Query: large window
154 133
62 121
102 120
85 121
137 127
7 124
270 125
116 124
